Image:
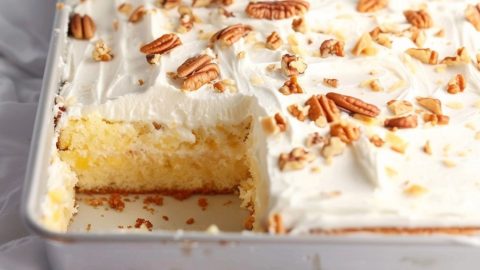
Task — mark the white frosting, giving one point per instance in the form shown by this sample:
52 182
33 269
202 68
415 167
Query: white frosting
366 195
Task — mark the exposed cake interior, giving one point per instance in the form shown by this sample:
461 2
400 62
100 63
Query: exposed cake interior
149 157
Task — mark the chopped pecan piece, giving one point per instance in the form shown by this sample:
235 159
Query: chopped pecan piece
298 112
432 104
373 84
291 87
425 56
364 46
275 124
472 13
457 84
354 105
297 159
462 57
201 3
153 59
187 19
169 4
380 37
277 10
331 82
427 148
347 132
409 121
332 47
418 18
274 41
478 61
299 25
125 8
333 147
275 224
293 65
418 36
377 141
371 5
162 45
436 119
138 14
399 107
197 71
315 139
322 110
231 34
102 52
81 27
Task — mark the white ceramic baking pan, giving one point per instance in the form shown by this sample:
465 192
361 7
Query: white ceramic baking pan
104 248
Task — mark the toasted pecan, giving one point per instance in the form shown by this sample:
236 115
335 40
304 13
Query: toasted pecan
472 13
354 105
409 121
371 5
197 71
425 56
162 45
347 132
81 27
418 18
274 41
277 10
231 34
322 106
138 14
291 87
293 65
332 47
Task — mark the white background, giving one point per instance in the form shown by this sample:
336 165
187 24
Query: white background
25 27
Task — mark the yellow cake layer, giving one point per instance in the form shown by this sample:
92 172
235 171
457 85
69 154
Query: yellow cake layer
148 157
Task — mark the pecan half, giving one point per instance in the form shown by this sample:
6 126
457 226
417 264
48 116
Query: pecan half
425 56
197 71
409 121
354 105
322 107
125 8
201 76
457 84
418 18
297 159
371 5
291 87
138 14
169 4
81 27
472 13
432 104
274 41
348 133
332 47
162 45
293 65
277 10
275 124
231 34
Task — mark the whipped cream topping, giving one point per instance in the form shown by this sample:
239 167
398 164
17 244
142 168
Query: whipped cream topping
363 187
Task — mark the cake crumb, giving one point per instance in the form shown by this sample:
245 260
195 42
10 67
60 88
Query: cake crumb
115 202
154 199
449 163
60 6
477 136
120 226
141 82
94 202
203 203
190 221
89 227
415 190
141 221
165 218
427 148
227 203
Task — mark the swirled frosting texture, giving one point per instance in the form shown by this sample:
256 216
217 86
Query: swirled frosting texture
366 185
